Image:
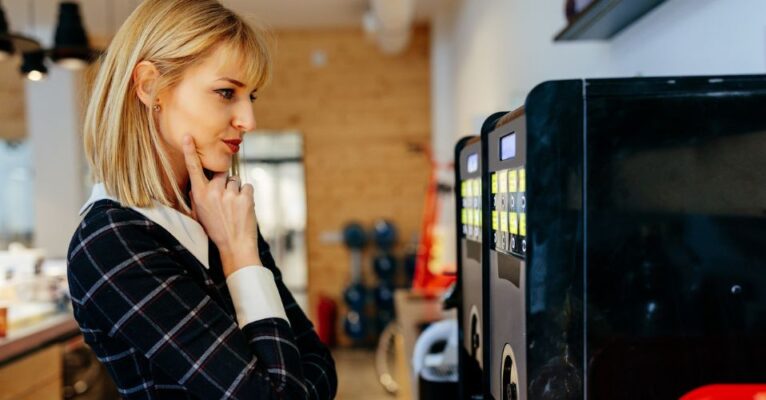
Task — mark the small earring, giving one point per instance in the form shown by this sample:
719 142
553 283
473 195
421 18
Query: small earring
156 108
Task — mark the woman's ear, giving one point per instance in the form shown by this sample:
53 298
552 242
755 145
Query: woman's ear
145 75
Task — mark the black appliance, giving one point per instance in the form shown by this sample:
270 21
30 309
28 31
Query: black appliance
468 188
626 253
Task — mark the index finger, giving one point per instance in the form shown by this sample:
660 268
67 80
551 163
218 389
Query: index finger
193 164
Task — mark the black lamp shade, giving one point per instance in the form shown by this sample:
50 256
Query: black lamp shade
33 64
71 42
4 29
59 54
6 45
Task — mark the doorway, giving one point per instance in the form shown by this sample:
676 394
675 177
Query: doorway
273 163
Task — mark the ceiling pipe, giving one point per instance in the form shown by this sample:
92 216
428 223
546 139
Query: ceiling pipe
389 22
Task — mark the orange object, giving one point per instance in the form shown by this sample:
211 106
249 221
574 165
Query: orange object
727 392
3 321
425 279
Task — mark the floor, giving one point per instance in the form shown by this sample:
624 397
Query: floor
356 376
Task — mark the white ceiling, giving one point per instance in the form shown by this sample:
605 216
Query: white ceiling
102 17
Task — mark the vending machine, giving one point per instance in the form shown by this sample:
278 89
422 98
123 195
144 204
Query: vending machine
504 139
468 195
626 245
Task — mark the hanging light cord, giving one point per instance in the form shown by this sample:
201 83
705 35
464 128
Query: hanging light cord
31 17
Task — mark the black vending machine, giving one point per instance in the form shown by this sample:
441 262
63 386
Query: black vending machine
504 141
468 195
625 257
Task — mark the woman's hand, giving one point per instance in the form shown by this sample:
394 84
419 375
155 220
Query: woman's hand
225 211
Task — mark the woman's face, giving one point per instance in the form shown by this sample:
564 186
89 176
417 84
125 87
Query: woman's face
213 104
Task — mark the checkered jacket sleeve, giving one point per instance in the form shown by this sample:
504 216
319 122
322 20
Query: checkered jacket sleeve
130 287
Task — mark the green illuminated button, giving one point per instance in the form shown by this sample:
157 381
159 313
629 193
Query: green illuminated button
502 181
514 222
494 183
523 224
513 180
495 222
522 180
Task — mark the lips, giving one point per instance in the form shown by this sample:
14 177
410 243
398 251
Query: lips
233 144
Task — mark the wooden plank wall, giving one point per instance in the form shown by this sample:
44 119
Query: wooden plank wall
359 115
13 123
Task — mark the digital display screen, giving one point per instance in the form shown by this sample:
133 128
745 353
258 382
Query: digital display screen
473 163
508 146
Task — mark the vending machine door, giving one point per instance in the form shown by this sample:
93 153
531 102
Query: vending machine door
646 275
675 235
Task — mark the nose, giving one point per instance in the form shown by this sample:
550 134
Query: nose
244 117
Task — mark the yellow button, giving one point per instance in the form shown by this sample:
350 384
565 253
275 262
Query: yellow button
502 180
477 217
514 223
494 182
513 183
477 187
503 221
523 224
464 189
494 220
464 216
522 180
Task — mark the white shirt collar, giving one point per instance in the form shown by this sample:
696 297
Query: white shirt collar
186 230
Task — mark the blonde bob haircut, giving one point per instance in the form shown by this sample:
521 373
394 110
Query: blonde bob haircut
121 139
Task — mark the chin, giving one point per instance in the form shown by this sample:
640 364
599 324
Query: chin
217 165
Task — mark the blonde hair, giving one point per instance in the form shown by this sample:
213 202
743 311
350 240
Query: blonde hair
122 143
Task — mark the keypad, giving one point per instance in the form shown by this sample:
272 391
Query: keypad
509 213
470 214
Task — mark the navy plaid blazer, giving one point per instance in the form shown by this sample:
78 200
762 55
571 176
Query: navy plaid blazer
165 327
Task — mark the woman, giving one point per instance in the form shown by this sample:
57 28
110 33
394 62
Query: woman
171 284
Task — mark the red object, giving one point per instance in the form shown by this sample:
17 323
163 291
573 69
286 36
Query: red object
3 321
327 314
424 279
727 392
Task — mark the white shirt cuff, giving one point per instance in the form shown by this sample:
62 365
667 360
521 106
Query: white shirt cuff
255 295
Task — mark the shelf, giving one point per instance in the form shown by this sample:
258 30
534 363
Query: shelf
603 19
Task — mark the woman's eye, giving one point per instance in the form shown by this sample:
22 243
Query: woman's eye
253 98
227 94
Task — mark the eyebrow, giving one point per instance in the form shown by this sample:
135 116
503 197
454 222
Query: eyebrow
234 81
